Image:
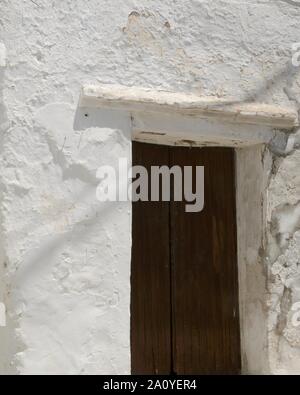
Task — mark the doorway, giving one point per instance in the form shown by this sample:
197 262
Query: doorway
184 275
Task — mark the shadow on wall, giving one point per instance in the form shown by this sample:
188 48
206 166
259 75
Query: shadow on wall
286 73
89 117
84 120
49 246
292 2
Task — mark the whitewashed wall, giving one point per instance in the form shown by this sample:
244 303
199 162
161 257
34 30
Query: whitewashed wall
65 258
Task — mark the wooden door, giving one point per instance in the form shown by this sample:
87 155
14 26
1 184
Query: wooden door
184 285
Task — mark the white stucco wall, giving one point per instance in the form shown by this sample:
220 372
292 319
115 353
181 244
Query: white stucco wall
65 258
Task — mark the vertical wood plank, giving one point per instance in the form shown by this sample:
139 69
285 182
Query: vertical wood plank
204 270
150 275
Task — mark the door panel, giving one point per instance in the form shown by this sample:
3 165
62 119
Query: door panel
150 275
204 272
184 286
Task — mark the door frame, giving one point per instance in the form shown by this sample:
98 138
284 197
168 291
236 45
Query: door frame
178 119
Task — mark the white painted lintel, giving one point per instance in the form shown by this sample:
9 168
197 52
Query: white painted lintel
179 118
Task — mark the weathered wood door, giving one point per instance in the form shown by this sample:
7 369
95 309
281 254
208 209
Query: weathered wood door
184 281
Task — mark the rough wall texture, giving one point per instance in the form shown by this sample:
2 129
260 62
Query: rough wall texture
284 264
65 257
